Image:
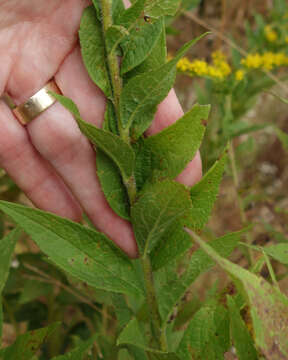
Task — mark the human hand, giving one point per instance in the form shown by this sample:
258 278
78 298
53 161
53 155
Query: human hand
49 159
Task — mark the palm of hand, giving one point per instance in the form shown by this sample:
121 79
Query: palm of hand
50 160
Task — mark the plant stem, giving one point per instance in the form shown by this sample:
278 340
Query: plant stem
237 184
271 271
158 338
116 83
113 66
243 216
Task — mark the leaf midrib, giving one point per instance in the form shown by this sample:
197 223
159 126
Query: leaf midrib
93 259
133 114
158 219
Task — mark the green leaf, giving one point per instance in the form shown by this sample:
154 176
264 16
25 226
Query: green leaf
2 226
204 194
123 312
156 58
124 24
112 185
158 8
173 148
110 119
117 9
67 103
283 137
207 336
268 306
27 345
124 355
97 8
7 245
136 353
79 352
93 49
177 241
239 333
239 128
140 43
134 334
168 356
158 207
143 93
120 152
172 291
1 321
108 173
278 252
130 16
282 99
203 197
113 37
33 289
190 4
84 253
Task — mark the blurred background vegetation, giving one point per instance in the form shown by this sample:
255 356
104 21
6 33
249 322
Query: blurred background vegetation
241 69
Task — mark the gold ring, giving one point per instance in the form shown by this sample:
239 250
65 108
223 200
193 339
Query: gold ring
8 101
37 103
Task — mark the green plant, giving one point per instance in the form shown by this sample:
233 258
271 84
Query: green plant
234 80
144 294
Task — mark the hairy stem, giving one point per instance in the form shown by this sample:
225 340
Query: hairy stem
113 65
157 339
116 83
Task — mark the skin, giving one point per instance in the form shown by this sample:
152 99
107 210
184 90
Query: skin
50 160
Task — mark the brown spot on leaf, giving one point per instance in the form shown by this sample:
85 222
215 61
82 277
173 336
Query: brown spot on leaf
204 122
147 19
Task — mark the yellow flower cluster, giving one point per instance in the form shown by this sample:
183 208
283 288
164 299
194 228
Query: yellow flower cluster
220 62
219 69
270 34
239 75
267 61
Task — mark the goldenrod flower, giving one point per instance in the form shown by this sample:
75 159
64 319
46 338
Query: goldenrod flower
270 34
267 61
280 59
218 55
199 67
252 61
239 75
215 73
220 62
184 65
218 70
